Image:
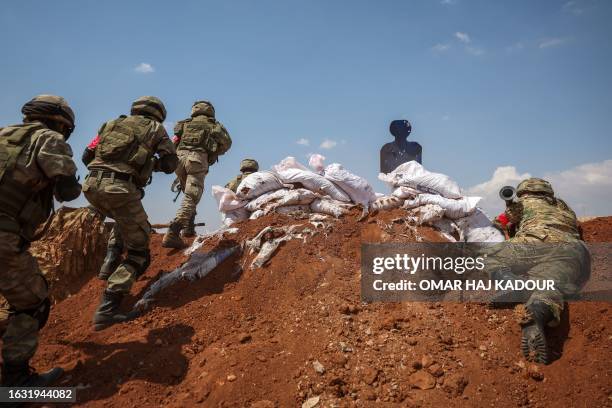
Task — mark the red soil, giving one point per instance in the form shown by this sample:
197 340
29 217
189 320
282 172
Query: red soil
252 339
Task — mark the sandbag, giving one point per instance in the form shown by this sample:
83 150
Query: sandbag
386 203
313 182
256 214
317 163
262 200
427 214
357 188
453 209
226 199
326 205
412 174
256 184
239 214
300 196
405 192
477 227
293 209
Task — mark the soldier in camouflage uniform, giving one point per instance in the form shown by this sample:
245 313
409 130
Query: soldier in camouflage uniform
35 167
199 140
123 157
247 166
545 244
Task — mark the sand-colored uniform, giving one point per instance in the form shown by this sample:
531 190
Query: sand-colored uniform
195 155
45 156
545 246
112 195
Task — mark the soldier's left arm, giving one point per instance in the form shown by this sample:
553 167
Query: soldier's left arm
167 160
54 158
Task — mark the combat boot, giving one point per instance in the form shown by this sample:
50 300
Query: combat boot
22 375
111 262
108 311
172 239
189 231
533 321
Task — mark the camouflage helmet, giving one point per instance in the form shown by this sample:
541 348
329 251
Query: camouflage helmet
203 108
249 165
535 185
50 107
149 106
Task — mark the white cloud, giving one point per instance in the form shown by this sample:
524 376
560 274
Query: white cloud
303 142
476 51
515 47
440 47
463 37
572 7
586 188
551 42
328 144
144 68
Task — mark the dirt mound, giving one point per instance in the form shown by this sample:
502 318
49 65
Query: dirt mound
295 331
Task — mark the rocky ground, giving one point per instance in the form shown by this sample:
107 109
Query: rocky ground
295 333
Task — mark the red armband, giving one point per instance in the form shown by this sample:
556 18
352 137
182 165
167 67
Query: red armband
92 145
176 139
503 219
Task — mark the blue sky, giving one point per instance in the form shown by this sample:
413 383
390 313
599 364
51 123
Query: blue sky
485 84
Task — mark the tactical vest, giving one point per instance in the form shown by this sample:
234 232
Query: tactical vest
21 209
204 134
123 140
548 219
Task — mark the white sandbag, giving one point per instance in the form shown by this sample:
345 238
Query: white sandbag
256 214
256 184
386 203
325 205
405 192
262 200
226 199
317 163
299 196
447 228
453 209
426 214
412 174
478 228
289 162
293 209
313 182
357 188
239 214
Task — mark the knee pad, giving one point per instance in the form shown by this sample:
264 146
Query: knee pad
39 313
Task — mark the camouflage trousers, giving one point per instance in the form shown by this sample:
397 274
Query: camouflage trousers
121 200
25 289
567 264
191 172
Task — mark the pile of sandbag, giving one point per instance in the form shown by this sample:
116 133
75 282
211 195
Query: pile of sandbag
435 199
291 188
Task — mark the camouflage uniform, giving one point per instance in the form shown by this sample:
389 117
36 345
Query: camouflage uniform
199 139
546 245
31 175
115 188
247 166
